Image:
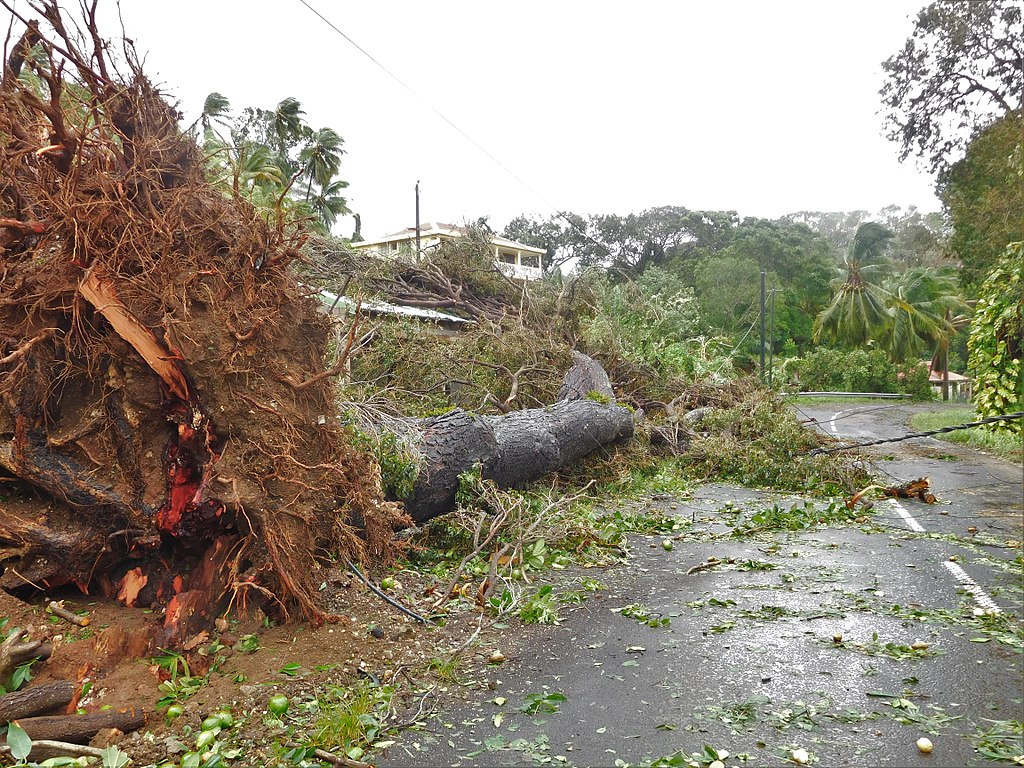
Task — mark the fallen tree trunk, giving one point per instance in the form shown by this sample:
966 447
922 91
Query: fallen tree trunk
518 447
35 700
81 728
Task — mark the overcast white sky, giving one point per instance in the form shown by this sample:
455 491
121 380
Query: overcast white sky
762 107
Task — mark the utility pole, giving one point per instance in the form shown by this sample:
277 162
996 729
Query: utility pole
771 339
418 251
762 325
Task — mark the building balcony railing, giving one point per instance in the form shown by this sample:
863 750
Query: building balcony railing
519 271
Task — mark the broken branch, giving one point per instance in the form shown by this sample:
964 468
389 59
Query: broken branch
58 609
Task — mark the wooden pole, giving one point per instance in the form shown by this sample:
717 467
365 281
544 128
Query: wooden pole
419 251
762 325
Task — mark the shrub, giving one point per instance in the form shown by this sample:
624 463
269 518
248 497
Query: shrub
653 322
995 342
860 370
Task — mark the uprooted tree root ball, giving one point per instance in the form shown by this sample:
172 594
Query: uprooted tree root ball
161 370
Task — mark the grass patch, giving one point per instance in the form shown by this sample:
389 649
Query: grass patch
348 720
1002 444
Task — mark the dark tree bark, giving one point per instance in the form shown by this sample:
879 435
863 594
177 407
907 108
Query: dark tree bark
35 700
81 728
585 376
518 447
451 444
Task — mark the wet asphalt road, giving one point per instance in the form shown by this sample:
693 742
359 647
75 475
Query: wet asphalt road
795 641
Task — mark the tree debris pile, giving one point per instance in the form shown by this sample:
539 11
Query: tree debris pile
458 277
161 371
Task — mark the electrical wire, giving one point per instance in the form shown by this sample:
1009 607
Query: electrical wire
731 352
386 598
914 435
490 155
855 412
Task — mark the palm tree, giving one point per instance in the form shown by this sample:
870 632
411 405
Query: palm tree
215 109
286 124
255 169
859 310
321 158
925 306
327 204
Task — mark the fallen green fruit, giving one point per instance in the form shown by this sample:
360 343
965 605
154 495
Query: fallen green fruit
278 704
226 719
205 739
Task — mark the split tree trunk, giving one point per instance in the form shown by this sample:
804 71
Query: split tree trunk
518 447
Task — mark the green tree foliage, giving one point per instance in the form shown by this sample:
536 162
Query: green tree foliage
800 264
626 246
984 194
564 237
274 158
859 370
654 323
996 340
919 238
960 70
906 313
729 290
858 312
926 310
645 240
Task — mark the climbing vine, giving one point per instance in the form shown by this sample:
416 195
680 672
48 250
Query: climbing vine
996 338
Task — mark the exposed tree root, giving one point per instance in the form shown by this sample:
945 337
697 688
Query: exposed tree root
156 351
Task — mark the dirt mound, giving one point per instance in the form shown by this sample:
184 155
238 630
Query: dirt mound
161 370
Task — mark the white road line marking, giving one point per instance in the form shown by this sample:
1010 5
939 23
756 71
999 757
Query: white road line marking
832 422
959 574
971 586
912 524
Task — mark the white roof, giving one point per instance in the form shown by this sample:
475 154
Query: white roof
373 306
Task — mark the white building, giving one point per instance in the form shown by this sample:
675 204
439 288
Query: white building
519 261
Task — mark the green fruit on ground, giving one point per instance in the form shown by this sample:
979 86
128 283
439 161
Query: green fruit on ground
278 704
205 739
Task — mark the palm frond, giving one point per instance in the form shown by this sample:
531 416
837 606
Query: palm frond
870 242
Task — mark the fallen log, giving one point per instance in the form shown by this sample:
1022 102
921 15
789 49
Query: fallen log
518 447
80 728
44 749
35 700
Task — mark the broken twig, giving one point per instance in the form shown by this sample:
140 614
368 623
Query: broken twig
58 609
711 563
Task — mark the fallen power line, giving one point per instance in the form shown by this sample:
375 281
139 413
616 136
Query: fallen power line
913 435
